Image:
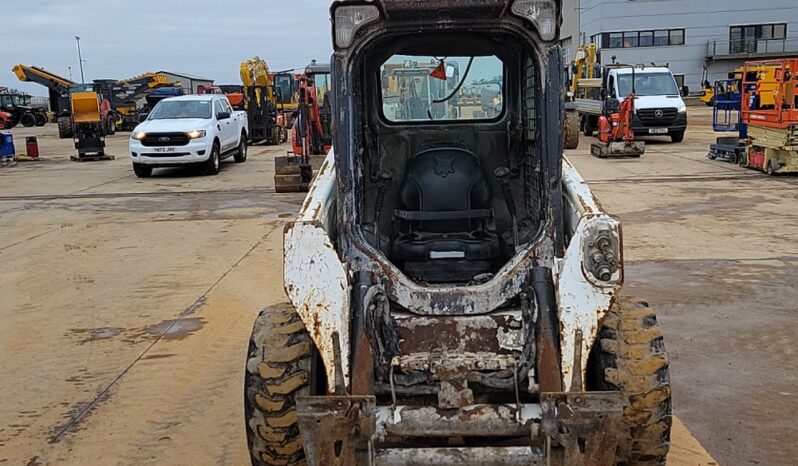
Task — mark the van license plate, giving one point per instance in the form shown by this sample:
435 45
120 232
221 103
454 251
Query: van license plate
658 131
164 149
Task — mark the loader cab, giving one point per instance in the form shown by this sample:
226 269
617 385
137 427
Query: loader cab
449 152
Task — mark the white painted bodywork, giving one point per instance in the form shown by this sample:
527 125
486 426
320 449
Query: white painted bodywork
582 300
315 279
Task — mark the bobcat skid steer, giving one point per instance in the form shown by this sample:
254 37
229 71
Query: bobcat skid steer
453 284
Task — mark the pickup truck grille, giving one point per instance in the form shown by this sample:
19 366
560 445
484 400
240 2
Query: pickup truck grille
657 117
165 140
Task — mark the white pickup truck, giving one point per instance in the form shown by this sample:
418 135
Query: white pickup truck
189 130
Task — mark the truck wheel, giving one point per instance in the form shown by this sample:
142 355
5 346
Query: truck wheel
64 127
571 131
588 127
677 137
241 154
629 356
28 120
212 165
142 171
278 371
41 119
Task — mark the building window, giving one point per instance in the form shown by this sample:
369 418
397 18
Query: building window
614 40
743 39
661 38
634 39
677 37
646 38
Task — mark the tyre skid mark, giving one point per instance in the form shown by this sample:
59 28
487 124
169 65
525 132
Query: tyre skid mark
84 409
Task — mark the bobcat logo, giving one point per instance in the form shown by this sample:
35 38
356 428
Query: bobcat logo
444 167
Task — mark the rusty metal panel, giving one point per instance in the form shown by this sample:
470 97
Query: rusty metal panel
454 456
500 333
501 420
582 428
332 427
582 299
315 279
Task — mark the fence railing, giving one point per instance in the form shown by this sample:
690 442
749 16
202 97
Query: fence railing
751 47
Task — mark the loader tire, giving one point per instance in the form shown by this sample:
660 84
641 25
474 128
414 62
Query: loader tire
27 120
65 127
278 371
630 357
571 131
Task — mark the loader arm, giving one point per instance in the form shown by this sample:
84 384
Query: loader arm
57 86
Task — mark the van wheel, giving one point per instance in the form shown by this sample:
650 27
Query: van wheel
677 137
214 161
241 153
142 171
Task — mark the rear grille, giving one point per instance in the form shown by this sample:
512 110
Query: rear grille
657 116
165 139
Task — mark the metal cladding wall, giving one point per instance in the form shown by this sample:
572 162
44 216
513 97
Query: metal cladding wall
705 22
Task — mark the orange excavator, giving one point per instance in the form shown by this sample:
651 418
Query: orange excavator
616 137
311 137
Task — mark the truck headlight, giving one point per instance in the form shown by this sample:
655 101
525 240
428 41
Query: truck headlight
682 108
542 13
138 135
348 19
196 134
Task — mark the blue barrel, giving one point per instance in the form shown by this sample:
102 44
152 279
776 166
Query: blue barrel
6 145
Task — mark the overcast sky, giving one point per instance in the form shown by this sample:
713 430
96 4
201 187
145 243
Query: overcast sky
123 38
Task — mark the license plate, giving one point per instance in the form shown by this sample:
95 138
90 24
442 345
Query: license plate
163 149
658 131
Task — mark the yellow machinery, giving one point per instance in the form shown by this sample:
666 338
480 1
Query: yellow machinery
765 74
260 103
88 123
122 96
583 86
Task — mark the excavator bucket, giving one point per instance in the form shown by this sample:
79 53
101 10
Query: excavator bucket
85 107
292 174
632 149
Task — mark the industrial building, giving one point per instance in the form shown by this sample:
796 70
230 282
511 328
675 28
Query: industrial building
189 82
698 40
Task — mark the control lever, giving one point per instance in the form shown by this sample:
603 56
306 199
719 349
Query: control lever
501 174
384 178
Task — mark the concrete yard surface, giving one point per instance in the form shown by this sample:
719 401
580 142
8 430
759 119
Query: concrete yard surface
127 303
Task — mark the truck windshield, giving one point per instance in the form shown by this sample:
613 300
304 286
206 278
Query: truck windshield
647 84
418 88
179 109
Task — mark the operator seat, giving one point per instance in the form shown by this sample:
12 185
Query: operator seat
445 220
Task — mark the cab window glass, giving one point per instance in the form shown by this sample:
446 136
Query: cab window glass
424 88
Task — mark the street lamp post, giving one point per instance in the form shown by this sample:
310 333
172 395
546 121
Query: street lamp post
80 59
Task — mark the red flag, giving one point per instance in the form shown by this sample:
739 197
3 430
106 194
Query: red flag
439 72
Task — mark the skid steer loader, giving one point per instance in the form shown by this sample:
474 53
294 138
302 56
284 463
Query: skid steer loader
453 283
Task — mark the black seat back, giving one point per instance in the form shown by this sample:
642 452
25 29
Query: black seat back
444 180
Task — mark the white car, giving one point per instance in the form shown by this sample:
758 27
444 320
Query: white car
189 130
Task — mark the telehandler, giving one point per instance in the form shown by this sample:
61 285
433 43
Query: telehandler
454 286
